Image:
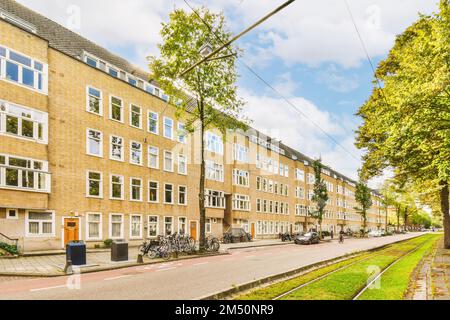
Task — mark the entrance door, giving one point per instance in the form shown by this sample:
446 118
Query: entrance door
71 230
253 231
193 229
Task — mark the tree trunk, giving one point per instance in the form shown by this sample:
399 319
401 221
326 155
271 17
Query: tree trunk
201 195
364 224
398 219
444 195
386 220
405 219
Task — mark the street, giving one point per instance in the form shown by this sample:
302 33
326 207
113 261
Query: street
187 279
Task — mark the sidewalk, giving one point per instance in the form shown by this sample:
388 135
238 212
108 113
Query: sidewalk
439 279
51 264
432 277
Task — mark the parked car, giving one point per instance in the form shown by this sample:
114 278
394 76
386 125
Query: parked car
374 233
236 235
307 238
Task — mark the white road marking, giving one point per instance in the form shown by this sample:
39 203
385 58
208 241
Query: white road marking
118 277
48 288
200 264
166 269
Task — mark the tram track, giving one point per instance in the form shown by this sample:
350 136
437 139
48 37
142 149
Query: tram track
360 292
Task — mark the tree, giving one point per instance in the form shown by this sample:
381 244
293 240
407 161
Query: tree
363 196
407 121
206 97
320 196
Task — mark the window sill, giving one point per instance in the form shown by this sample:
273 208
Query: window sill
95 114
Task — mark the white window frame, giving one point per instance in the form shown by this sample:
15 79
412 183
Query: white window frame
241 199
217 147
131 190
20 66
148 226
182 138
16 214
141 160
37 117
149 112
121 226
157 191
100 227
185 225
173 194
220 198
87 143
149 157
40 235
111 187
181 156
172 161
185 195
141 222
237 174
208 226
171 225
214 171
240 153
87 184
131 116
39 175
171 127
122 107
122 155
88 101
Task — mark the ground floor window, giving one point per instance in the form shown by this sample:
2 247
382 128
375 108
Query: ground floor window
40 224
245 225
116 226
153 226
12 214
94 226
136 226
208 225
168 226
182 225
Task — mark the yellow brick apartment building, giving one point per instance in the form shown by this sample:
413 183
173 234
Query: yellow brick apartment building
91 150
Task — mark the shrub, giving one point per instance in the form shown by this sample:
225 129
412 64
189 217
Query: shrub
107 243
9 248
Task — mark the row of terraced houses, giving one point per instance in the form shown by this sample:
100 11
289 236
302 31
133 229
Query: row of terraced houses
91 150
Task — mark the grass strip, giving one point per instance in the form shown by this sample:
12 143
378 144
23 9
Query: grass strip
383 256
395 282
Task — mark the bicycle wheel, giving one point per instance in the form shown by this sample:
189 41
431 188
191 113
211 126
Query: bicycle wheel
215 245
152 253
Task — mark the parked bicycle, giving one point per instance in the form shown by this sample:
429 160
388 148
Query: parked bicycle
227 237
165 246
285 237
212 244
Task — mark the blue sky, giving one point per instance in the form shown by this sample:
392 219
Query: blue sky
309 52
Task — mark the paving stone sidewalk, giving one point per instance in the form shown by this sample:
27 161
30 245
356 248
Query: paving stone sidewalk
439 279
48 264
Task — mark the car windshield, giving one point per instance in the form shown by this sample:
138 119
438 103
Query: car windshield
309 234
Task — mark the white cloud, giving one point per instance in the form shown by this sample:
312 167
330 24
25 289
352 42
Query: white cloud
332 78
310 32
285 84
131 26
308 134
314 32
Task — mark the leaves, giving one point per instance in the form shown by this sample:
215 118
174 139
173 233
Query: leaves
407 123
320 196
208 93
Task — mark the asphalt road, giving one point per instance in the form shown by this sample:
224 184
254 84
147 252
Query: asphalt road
187 279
